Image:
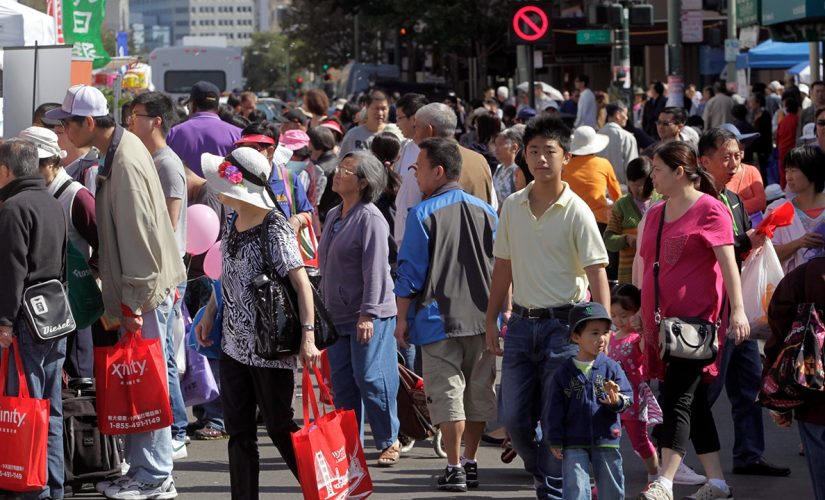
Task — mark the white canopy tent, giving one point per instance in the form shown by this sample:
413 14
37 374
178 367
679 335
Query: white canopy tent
22 26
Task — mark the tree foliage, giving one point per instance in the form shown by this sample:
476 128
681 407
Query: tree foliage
471 28
265 61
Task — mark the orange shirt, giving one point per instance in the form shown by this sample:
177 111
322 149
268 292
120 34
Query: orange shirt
747 183
591 177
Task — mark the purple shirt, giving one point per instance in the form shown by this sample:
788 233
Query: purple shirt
355 271
203 132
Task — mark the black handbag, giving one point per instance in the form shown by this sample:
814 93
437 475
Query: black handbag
683 338
278 330
46 308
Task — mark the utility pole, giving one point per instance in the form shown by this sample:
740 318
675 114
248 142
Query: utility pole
731 65
674 48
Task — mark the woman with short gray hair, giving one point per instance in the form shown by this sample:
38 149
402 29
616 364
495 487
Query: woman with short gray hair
358 293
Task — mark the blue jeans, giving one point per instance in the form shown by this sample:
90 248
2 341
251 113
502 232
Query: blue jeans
741 375
43 365
149 454
607 468
211 413
173 313
533 349
813 439
365 377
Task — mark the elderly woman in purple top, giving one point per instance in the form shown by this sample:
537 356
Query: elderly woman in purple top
357 290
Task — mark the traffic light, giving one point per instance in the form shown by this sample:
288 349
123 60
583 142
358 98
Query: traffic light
402 31
327 77
325 67
299 80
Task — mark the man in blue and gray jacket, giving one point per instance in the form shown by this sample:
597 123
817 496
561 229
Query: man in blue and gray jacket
445 265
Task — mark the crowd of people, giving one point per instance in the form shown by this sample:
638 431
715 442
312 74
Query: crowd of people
445 236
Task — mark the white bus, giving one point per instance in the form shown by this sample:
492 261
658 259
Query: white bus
176 69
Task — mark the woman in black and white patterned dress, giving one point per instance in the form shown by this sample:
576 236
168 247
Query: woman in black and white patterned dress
248 381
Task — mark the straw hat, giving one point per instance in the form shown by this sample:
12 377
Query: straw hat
243 175
587 142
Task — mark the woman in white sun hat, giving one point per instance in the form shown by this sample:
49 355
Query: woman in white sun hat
247 380
79 207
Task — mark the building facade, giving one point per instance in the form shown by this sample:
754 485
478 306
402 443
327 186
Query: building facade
235 20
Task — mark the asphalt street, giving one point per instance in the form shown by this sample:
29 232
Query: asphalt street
204 474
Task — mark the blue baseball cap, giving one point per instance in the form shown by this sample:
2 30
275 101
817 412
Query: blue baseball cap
585 312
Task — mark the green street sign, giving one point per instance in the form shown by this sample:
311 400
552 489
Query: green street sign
593 37
748 12
781 11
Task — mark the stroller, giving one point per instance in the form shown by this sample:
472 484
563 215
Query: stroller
413 415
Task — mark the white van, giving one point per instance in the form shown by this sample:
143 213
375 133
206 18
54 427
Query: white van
176 69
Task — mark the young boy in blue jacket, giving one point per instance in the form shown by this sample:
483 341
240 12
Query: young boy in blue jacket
588 392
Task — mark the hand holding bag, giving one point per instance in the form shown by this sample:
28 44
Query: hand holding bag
24 430
132 388
331 462
682 338
277 319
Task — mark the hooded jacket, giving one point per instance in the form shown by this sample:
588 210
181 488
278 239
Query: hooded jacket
577 419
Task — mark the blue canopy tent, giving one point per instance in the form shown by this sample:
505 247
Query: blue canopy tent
773 55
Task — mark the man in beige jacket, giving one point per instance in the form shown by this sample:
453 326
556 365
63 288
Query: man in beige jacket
139 263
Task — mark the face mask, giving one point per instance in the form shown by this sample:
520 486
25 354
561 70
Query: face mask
296 166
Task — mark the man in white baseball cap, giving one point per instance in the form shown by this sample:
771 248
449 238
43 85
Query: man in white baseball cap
140 266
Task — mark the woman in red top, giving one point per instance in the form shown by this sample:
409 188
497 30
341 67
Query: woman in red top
786 133
696 266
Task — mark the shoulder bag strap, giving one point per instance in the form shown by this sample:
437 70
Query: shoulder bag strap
264 242
63 188
657 314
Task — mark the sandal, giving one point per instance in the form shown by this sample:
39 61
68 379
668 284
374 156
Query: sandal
390 455
210 433
509 454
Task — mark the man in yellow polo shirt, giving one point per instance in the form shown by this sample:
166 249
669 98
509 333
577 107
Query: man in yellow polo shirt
549 248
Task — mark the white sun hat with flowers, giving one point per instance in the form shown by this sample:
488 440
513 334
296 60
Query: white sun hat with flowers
243 175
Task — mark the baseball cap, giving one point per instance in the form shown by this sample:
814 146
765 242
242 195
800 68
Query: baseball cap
44 139
80 100
526 113
296 115
739 135
585 312
204 91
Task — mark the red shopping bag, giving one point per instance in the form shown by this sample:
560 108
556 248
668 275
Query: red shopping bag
132 390
24 429
331 463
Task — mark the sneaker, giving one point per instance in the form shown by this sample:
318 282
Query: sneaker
136 490
656 491
471 471
453 480
688 476
102 486
711 492
178 449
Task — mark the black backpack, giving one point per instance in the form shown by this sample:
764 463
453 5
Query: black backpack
89 455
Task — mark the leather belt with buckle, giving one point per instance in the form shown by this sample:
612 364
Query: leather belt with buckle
542 312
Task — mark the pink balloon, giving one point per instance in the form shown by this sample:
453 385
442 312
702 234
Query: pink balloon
213 262
202 228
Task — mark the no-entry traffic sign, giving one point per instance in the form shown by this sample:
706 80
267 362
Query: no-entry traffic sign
530 23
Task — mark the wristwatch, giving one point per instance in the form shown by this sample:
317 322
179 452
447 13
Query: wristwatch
308 328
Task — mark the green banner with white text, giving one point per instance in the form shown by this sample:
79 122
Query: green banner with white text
82 26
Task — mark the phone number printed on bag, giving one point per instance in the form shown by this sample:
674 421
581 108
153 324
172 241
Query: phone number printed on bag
12 471
123 422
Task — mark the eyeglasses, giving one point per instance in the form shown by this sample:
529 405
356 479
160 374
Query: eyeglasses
133 115
820 123
342 172
664 124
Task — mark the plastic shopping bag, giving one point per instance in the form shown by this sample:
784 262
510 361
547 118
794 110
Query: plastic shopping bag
24 429
132 389
761 273
198 385
331 463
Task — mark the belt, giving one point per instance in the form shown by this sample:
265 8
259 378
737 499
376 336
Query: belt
561 312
